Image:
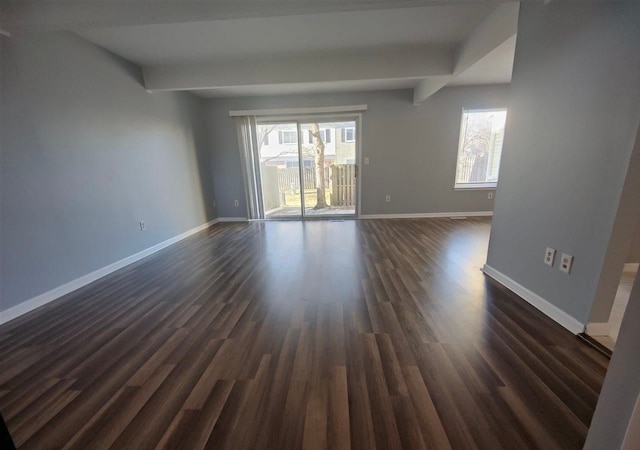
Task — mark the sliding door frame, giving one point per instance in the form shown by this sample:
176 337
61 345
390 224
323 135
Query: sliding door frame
321 118
256 151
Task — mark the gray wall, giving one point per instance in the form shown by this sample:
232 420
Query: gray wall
574 114
86 153
412 149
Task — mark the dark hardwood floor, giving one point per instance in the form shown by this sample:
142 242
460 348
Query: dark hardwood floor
358 334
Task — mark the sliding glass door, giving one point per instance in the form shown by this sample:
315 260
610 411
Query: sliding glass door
329 155
279 159
308 167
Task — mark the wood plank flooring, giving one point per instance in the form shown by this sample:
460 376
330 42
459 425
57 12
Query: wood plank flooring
377 334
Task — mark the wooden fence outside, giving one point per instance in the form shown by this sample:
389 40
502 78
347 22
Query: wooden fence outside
342 184
289 178
340 179
472 169
270 193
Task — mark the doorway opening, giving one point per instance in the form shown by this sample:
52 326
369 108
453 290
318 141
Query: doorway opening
307 167
620 266
607 335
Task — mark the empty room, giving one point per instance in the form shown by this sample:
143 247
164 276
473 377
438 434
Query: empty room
306 224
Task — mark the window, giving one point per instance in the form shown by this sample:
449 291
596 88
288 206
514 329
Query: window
265 139
288 137
348 134
325 135
480 148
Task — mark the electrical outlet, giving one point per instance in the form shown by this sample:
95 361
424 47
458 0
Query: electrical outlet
550 256
236 203
490 196
387 198
143 226
566 262
366 160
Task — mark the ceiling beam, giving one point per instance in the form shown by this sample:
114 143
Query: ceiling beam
427 87
493 31
389 64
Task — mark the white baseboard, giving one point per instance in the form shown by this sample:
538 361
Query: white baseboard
427 215
564 319
598 329
232 219
55 293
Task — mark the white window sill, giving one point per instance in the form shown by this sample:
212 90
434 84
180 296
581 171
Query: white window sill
475 187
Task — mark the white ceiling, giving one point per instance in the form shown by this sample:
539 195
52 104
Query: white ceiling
199 42
222 48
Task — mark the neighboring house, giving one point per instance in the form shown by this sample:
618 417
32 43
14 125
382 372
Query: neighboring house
279 147
345 143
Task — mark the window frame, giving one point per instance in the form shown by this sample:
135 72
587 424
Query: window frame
324 132
345 134
293 133
477 186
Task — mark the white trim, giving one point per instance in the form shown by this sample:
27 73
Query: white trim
427 215
283 111
598 329
359 166
232 219
304 118
491 186
567 321
55 293
483 110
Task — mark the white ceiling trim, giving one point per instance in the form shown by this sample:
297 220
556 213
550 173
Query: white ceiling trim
295 111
